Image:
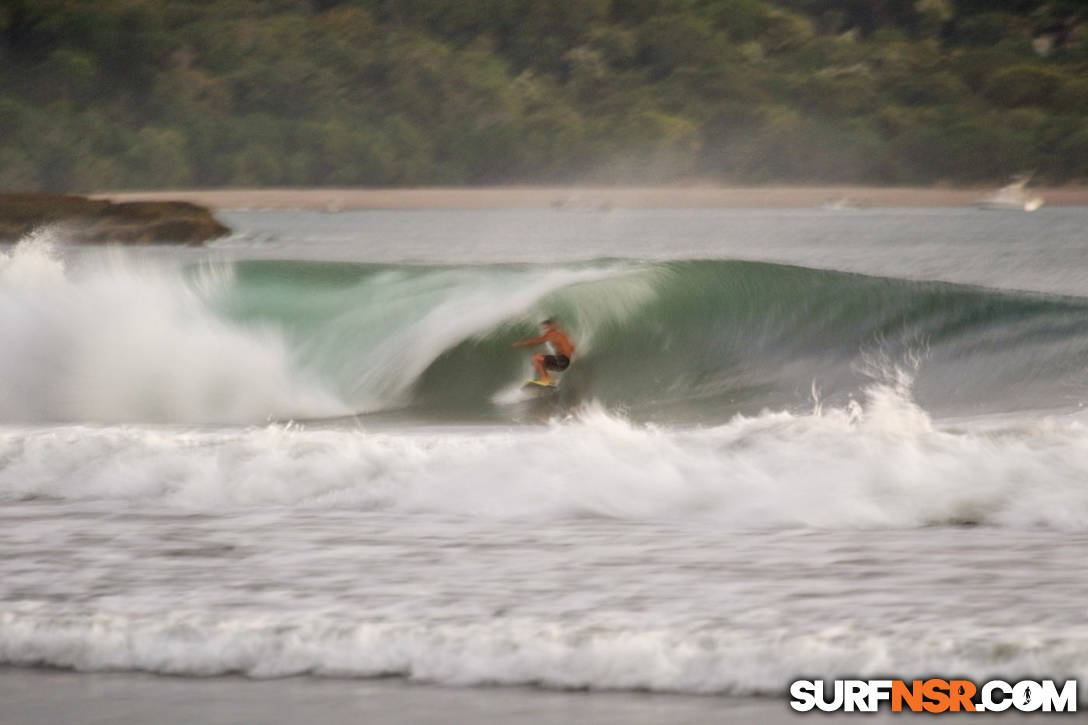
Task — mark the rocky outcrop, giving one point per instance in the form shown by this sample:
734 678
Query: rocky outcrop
98 221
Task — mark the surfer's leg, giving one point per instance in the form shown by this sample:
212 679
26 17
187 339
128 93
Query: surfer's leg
541 372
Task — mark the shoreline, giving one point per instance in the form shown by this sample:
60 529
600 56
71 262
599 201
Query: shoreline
589 197
35 695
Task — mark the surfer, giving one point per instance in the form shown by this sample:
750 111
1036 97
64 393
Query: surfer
562 351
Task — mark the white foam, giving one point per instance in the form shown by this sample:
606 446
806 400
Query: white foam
120 340
878 464
515 651
117 341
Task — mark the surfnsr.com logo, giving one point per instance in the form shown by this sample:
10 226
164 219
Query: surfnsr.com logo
933 696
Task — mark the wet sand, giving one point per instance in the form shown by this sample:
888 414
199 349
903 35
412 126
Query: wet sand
54 696
590 197
32 696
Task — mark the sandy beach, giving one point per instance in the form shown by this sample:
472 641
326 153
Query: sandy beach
37 695
667 197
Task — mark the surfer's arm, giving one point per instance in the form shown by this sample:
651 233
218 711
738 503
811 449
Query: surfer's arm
532 341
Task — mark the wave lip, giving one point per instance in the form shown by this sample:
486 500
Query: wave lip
682 341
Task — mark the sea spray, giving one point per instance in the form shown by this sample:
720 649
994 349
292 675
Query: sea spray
878 464
116 340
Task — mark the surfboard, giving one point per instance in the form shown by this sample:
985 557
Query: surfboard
537 385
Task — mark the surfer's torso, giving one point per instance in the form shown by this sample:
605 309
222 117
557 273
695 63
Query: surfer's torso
560 344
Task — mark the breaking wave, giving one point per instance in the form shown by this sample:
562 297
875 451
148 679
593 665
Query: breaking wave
112 340
880 463
515 651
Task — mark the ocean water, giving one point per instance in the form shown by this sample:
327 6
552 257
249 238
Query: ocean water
793 444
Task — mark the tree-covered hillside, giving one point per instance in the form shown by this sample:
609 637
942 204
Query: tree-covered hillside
101 94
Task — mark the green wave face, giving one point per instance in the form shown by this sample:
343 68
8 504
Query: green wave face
694 340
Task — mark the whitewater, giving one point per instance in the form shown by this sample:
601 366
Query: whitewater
792 443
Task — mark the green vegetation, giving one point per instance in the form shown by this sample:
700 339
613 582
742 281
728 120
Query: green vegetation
194 93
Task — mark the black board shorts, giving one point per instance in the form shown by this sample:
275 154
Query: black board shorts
556 362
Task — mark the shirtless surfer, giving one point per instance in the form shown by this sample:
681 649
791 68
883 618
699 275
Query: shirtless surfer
562 348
